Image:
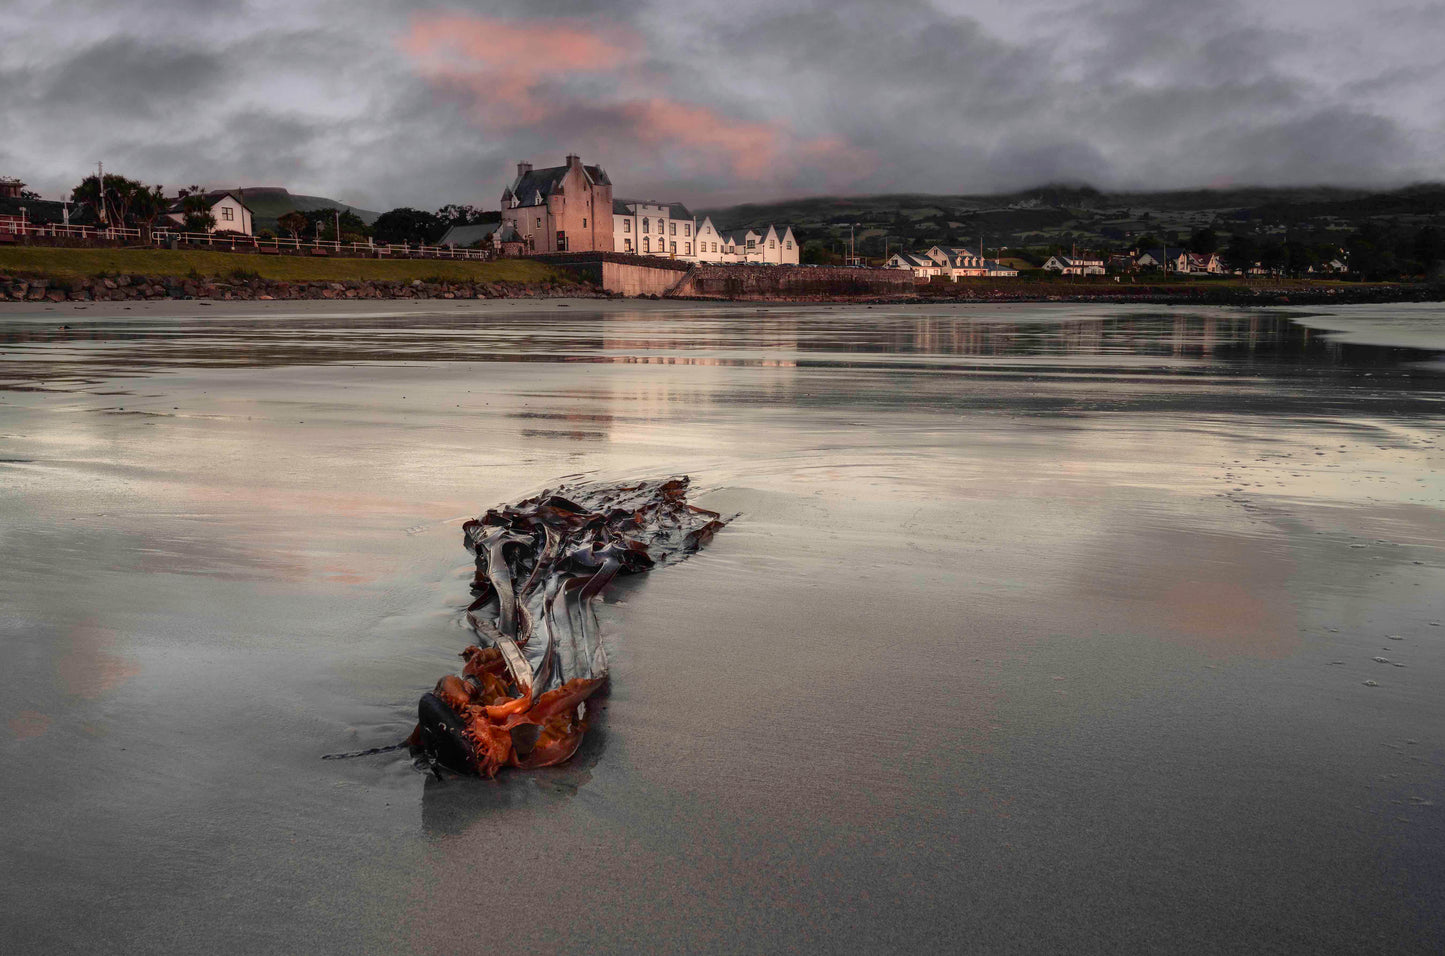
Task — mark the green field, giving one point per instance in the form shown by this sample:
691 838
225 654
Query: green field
87 263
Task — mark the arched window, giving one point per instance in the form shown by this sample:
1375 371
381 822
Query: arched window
646 244
645 226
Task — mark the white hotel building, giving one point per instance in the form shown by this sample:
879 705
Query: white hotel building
648 228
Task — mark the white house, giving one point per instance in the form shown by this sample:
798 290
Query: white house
1075 266
1175 261
922 266
959 261
231 214
1207 264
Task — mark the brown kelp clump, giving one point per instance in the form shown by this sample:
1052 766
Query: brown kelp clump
541 563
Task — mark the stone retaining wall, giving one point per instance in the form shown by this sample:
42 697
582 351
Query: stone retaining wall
621 273
793 282
126 287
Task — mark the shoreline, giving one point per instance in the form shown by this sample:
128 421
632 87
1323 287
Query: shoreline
30 290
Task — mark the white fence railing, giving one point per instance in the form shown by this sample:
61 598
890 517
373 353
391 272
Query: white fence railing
225 240
55 230
367 249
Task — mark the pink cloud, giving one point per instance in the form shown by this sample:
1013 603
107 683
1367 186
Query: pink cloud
525 74
507 66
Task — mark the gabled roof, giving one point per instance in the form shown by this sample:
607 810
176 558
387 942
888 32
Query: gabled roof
212 196
534 186
678 211
1159 255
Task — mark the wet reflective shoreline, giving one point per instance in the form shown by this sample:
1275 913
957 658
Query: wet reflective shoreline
1043 628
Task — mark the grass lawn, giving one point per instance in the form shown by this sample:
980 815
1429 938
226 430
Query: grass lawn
86 263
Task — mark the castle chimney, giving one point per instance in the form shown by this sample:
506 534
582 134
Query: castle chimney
523 169
574 160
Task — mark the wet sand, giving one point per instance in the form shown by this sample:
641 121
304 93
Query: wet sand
1044 628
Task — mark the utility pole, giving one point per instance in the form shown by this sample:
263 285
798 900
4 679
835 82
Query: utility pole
852 250
338 229
100 189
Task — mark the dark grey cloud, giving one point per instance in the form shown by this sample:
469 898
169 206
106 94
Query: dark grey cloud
837 96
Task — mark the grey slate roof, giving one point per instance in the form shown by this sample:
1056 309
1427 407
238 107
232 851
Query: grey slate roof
533 187
47 211
465 236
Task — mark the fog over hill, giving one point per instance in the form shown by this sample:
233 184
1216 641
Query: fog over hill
1070 213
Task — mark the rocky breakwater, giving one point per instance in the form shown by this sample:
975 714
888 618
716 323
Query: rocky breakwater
118 288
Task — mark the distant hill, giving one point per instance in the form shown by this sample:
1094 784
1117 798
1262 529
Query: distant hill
1067 214
269 203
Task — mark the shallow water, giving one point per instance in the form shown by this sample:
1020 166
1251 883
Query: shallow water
1043 628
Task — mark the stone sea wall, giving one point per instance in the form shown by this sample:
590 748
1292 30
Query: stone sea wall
138 287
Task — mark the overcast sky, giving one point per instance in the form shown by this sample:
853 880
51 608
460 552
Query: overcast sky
383 103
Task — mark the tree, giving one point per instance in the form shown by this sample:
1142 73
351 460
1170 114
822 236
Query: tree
293 222
1429 247
405 224
1204 241
1274 256
149 204
324 221
29 194
113 203
1242 253
197 210
455 215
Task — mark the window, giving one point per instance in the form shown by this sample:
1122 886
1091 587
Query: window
227 213
687 248
752 244
627 245
673 227
646 244
627 226
561 242
674 248
584 222
539 222
790 245
714 247
772 243
646 227
687 229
